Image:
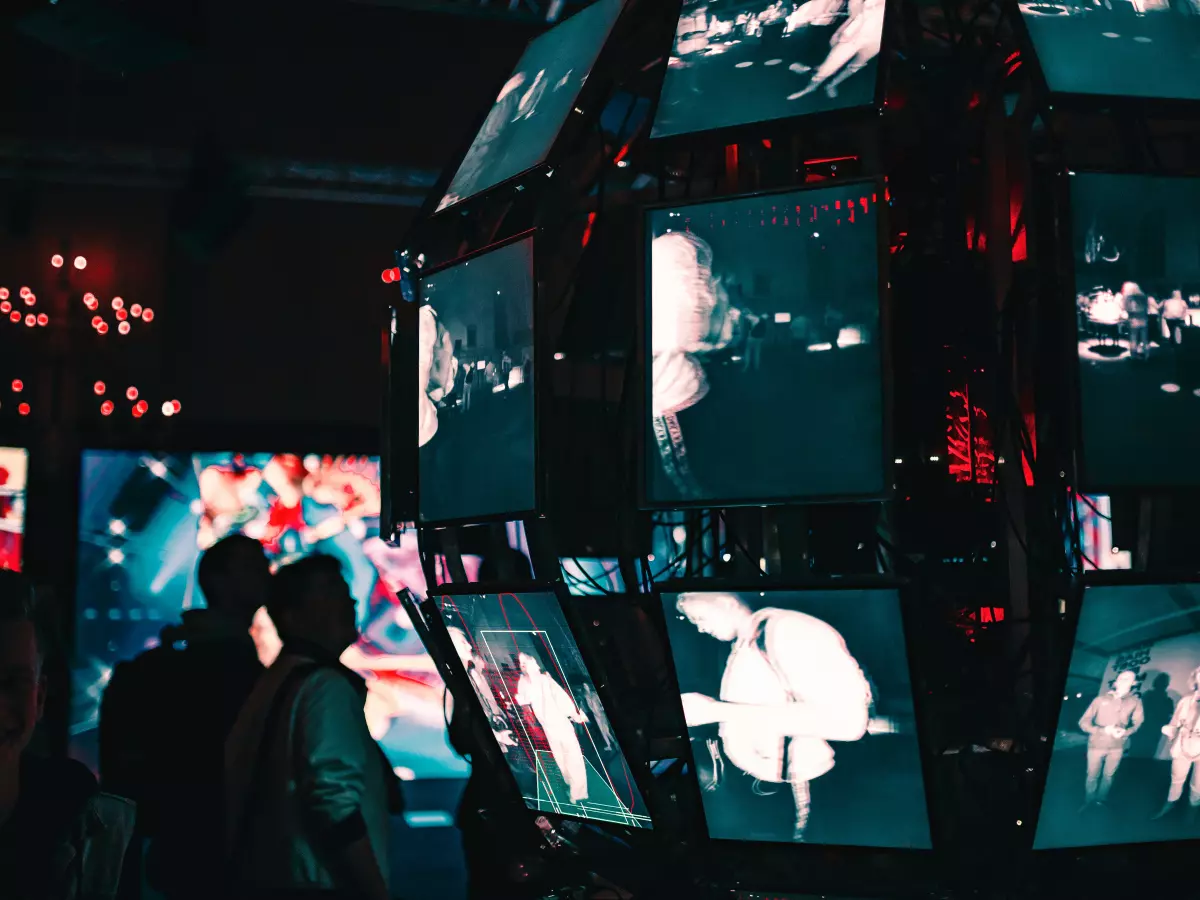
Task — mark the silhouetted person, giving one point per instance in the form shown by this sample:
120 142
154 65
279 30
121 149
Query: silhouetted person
309 792
165 715
60 838
1158 707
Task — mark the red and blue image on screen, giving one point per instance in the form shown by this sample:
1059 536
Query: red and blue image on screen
13 466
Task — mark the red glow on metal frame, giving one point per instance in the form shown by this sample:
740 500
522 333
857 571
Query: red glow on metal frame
828 159
621 154
587 232
968 444
106 408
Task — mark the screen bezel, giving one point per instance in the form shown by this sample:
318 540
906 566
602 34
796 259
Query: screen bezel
643 357
657 611
539 395
591 667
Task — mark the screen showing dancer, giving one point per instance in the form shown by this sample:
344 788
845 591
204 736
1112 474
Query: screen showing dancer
475 395
534 103
526 670
1125 766
736 63
13 465
1137 287
144 520
800 712
1124 48
765 378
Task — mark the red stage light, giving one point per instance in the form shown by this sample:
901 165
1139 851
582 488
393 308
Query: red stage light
168 409
18 385
147 315
3 293
122 315
102 328
14 316
5 307
30 320
135 310
97 321
56 260
31 299
390 275
25 292
177 406
131 394
43 319
99 387
118 303
90 301
142 406
106 408
81 263
23 409
123 328
137 412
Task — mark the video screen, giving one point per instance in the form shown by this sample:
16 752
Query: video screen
1125 764
1137 290
766 374
477 427
1123 48
737 63
534 103
145 519
525 667
14 465
800 713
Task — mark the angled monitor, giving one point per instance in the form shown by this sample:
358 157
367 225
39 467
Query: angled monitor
1125 765
764 360
526 671
741 63
800 710
477 433
534 103
1118 48
1137 308
14 464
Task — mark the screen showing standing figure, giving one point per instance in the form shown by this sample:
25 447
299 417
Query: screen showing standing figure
524 666
765 379
800 712
14 463
534 103
1120 48
144 520
1125 764
476 429
1137 297
737 63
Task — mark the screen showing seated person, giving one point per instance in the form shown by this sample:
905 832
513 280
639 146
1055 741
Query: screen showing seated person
765 376
533 105
800 713
1137 305
14 463
740 63
1121 48
1125 765
526 670
145 518
476 429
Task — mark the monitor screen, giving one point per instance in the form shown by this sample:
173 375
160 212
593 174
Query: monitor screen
765 379
800 711
1125 764
740 63
476 428
525 667
534 103
144 520
14 463
1137 289
1139 48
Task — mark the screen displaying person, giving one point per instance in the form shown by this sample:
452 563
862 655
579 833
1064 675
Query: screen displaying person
1109 722
557 713
1183 733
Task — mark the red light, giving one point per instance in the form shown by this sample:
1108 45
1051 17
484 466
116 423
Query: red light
5 307
135 310
142 406
147 315
102 328
90 301
177 406
131 394
118 303
137 412
123 328
18 385
30 320
23 409
168 410
99 387
14 316
81 263
43 319
390 275
122 315
56 260
106 408
25 292
3 293
97 321
30 299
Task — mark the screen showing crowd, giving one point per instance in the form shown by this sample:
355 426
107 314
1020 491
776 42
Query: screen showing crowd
800 711
736 63
524 666
534 103
475 396
14 463
1123 48
146 518
1125 766
1137 287
765 378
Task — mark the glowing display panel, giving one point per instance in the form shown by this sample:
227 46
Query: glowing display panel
765 379
1125 765
14 465
800 710
1126 48
1137 287
740 63
524 666
476 428
534 103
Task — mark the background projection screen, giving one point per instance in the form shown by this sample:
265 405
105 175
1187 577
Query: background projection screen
1141 784
740 63
1118 49
802 700
524 666
477 415
1137 303
14 464
765 354
534 103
